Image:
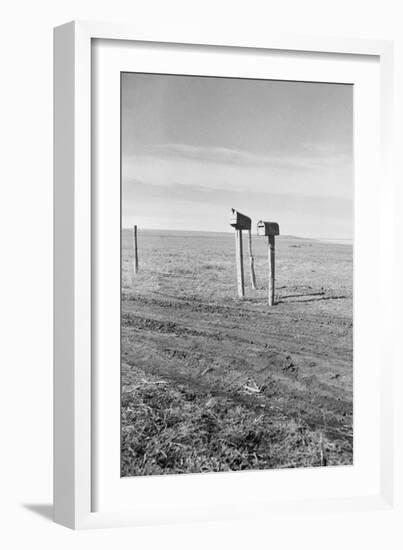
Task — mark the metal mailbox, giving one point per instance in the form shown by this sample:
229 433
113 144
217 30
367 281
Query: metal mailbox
267 229
239 221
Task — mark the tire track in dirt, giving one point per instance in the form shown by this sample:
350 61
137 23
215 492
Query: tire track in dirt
262 333
271 369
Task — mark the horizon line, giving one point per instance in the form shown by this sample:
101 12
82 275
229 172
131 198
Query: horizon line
229 232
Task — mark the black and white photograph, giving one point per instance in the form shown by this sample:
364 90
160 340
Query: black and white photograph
237 211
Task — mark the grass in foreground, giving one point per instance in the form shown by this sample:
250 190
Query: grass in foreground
172 429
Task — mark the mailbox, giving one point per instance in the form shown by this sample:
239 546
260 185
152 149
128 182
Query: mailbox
266 229
240 221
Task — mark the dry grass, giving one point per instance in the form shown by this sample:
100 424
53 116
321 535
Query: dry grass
169 429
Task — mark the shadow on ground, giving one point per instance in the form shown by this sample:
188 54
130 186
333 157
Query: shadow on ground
44 510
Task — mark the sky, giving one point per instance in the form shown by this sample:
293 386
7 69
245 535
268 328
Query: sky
195 147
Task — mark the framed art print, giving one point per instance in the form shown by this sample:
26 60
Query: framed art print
220 208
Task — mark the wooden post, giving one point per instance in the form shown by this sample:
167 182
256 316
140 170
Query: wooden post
136 256
239 222
239 263
251 261
269 230
271 258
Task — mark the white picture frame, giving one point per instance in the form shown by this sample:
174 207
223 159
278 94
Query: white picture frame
77 430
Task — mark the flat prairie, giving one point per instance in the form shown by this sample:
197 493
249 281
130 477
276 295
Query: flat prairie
213 383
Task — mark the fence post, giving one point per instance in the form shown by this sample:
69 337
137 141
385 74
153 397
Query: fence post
136 256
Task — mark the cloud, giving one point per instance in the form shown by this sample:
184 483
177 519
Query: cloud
324 173
190 207
191 200
307 157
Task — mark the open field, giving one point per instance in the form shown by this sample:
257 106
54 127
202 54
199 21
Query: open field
212 383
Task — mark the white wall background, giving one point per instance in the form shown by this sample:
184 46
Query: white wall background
26 266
